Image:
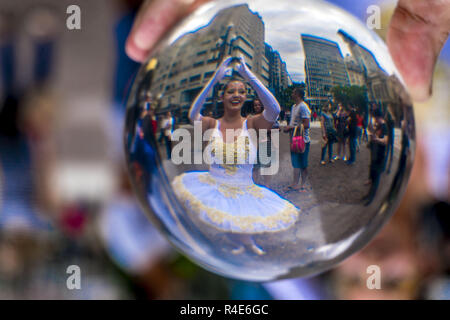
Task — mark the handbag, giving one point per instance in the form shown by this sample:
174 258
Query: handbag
298 144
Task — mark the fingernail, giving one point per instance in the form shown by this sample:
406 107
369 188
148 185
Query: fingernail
143 40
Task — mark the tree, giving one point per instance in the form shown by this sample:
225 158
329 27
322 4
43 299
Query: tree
286 99
355 96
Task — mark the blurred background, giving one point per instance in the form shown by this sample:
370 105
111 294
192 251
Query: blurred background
65 198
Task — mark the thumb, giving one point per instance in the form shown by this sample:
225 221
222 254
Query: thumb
154 19
416 35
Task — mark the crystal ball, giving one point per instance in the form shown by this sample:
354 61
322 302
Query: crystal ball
269 139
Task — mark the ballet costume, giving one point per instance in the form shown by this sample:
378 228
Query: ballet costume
226 197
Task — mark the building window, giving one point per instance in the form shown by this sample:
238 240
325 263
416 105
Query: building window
198 64
195 78
208 75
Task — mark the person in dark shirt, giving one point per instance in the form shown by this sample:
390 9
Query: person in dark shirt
390 124
378 139
342 134
329 134
142 155
352 135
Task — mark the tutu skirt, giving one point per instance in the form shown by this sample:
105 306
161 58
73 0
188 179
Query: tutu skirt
233 207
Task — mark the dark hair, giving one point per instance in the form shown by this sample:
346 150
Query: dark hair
253 105
378 113
299 92
233 79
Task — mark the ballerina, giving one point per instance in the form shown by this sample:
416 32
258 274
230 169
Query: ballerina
226 196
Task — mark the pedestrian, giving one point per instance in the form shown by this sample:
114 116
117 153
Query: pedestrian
359 130
329 134
352 124
300 116
378 139
390 123
341 127
167 125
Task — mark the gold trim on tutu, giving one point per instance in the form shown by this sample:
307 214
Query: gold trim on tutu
246 224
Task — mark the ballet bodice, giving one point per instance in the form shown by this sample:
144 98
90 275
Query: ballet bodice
232 162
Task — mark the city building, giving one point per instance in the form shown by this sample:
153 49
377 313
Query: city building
324 69
188 64
279 79
355 71
375 78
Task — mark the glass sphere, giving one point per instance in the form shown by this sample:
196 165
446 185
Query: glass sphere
269 139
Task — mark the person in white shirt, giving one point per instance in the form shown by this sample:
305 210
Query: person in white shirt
167 127
300 115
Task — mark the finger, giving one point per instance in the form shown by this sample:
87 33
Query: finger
227 61
155 18
418 30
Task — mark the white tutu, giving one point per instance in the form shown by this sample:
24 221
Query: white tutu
227 198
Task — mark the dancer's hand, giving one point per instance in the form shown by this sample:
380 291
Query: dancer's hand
223 69
243 69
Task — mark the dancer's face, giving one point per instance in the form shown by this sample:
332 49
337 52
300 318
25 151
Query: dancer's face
234 95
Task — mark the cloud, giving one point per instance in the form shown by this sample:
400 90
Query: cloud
286 20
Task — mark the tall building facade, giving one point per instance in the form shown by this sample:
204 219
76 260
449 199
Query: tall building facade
324 69
279 79
185 68
355 71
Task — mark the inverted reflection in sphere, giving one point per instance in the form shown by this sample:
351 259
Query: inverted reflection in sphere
269 139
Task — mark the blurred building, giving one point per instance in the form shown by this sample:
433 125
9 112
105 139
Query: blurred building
189 63
324 69
375 78
279 79
355 71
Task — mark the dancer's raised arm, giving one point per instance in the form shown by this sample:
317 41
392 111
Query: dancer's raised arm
194 112
271 106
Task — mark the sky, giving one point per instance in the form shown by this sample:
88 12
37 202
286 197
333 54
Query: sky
285 20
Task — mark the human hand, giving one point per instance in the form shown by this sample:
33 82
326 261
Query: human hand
223 69
416 35
154 19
